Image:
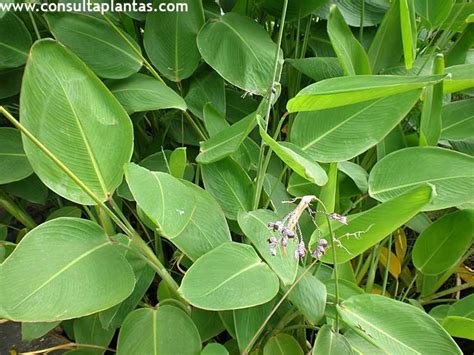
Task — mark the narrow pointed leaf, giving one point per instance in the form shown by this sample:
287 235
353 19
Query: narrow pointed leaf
366 229
402 328
296 159
344 91
449 171
351 54
342 133
442 245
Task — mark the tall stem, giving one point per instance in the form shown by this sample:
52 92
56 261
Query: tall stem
16 211
262 165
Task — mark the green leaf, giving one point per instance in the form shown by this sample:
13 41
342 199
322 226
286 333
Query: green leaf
297 9
140 93
182 212
13 48
214 349
296 159
170 39
460 77
232 36
459 327
356 173
397 326
458 120
227 141
144 274
282 344
206 87
344 91
68 109
339 134
366 229
218 279
317 68
178 162
433 12
442 245
208 323
449 171
93 40
349 51
255 226
386 49
14 165
32 331
88 330
165 330
230 185
61 252
409 32
309 296
11 82
430 121
248 321
329 343
352 11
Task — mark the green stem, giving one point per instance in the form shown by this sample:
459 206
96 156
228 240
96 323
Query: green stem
35 27
387 265
130 232
361 24
373 269
336 272
16 211
447 292
275 308
262 161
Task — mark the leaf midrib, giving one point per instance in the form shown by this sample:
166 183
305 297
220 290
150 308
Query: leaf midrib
58 273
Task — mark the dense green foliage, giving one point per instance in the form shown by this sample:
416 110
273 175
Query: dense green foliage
246 176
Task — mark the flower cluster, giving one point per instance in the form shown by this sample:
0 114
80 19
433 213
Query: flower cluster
287 227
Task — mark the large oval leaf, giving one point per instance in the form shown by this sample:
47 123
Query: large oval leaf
458 120
342 91
170 39
365 229
100 46
230 185
255 226
68 109
166 330
63 269
396 326
449 171
240 50
442 245
339 134
14 165
231 276
143 93
13 48
181 211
